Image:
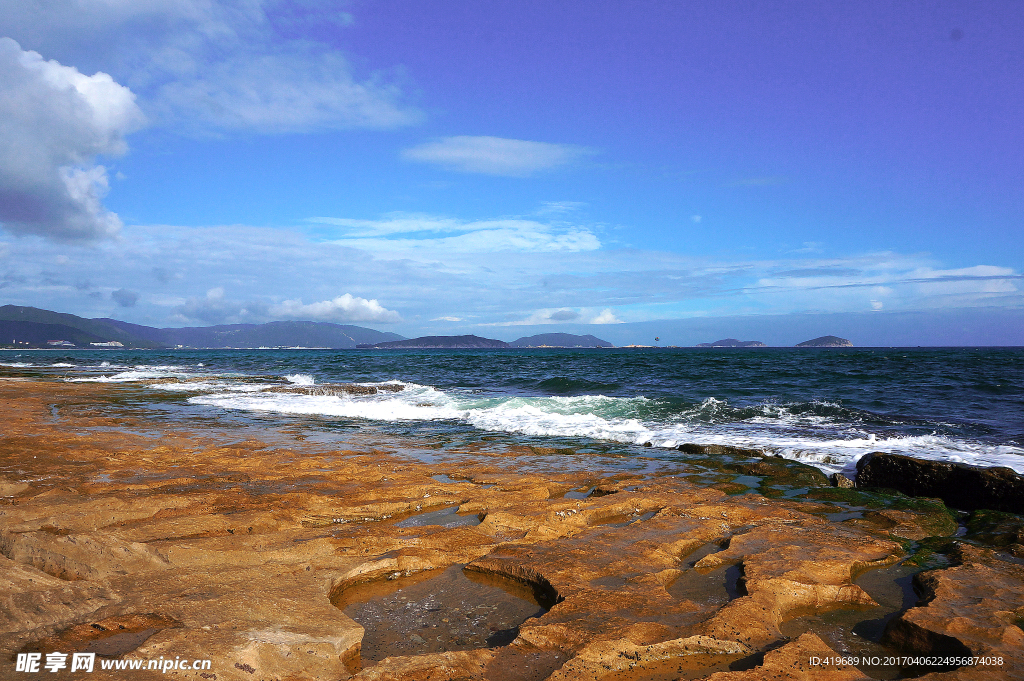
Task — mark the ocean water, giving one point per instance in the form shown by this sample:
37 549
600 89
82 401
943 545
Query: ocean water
826 407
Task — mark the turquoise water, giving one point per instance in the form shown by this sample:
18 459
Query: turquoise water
827 407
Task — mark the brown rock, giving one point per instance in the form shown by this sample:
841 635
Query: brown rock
796 662
973 609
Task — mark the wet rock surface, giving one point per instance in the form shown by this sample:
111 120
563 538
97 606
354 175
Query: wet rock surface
959 485
432 613
280 558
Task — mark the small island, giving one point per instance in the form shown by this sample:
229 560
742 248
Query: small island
826 342
732 343
467 342
560 340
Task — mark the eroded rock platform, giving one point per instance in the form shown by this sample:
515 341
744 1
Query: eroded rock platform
193 543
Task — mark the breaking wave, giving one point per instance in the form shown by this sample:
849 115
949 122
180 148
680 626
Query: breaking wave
826 435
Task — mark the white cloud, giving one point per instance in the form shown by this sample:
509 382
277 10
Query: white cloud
207 65
345 308
495 155
448 319
606 317
55 121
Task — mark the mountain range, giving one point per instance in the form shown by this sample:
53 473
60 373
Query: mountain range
32 327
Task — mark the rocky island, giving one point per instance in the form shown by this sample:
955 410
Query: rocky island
439 342
276 557
560 340
826 342
732 343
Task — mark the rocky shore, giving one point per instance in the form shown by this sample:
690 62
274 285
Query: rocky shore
275 556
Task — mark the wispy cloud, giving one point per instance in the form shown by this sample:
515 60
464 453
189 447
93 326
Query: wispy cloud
562 316
495 155
245 274
763 181
561 207
298 91
424 233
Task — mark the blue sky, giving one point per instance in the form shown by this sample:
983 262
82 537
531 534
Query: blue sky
684 169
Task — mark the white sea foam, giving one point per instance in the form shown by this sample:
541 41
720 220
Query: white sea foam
141 372
823 441
63 365
300 379
17 365
209 386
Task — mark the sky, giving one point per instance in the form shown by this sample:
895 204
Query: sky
633 169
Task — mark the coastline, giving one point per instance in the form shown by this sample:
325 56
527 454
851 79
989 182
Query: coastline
208 542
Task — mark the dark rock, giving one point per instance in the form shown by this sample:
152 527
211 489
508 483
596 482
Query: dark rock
840 480
691 448
959 485
338 389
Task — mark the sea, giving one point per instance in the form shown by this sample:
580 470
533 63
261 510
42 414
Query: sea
823 406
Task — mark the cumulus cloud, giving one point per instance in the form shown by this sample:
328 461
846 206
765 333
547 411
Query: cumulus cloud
216 66
606 317
54 121
345 308
495 155
214 308
124 297
564 315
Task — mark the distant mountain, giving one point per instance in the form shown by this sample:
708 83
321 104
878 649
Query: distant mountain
439 342
76 330
560 340
826 342
270 335
36 334
35 327
732 343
